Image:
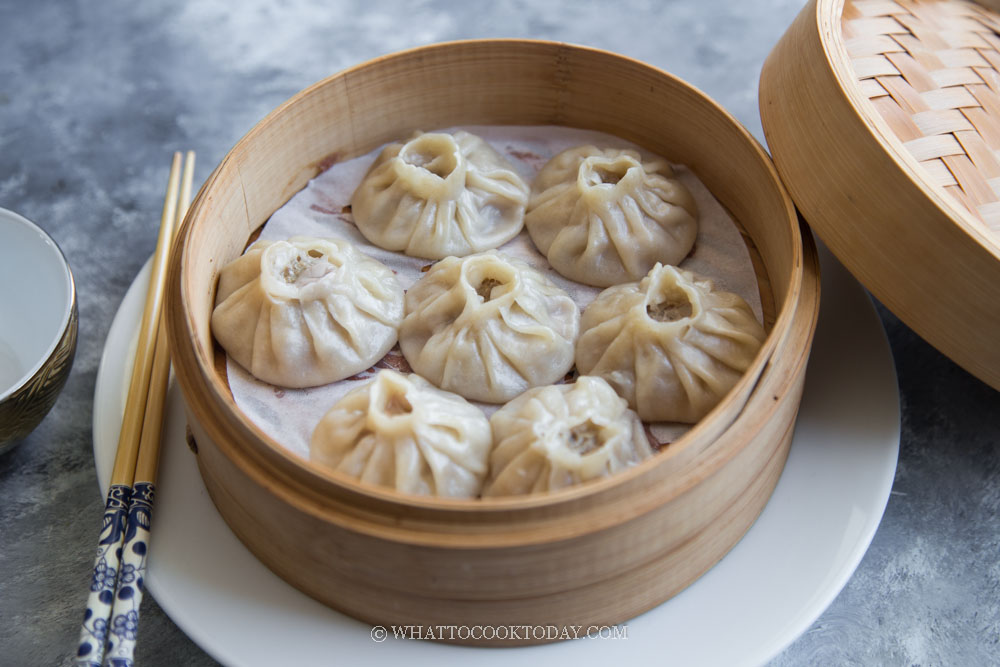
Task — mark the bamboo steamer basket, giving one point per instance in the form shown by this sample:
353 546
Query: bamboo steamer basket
884 121
596 554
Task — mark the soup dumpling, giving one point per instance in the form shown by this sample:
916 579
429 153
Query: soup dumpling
402 432
438 195
306 311
671 345
605 216
553 437
488 326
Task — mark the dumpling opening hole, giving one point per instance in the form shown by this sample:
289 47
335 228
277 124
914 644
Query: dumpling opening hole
397 405
584 438
304 268
670 309
433 153
490 276
609 176
291 271
666 300
485 288
600 171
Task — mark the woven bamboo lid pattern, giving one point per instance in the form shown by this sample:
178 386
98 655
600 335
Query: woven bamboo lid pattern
883 118
931 71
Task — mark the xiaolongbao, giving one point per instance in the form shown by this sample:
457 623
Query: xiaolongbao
402 432
552 437
671 345
439 195
306 311
604 217
488 327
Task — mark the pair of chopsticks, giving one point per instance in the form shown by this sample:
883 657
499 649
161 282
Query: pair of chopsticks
111 621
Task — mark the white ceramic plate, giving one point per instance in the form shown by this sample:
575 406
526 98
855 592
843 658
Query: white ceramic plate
757 600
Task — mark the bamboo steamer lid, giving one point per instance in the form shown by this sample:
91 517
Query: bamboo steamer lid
883 118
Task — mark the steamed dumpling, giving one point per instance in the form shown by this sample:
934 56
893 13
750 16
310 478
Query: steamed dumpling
306 311
402 432
672 345
605 216
439 195
552 437
488 327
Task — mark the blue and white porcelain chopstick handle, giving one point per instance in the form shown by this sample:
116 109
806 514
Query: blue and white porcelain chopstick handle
131 578
94 632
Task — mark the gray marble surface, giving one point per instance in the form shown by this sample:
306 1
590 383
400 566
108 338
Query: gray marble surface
95 96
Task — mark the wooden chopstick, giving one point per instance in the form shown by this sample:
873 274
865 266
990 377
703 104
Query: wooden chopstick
149 442
96 628
128 593
128 439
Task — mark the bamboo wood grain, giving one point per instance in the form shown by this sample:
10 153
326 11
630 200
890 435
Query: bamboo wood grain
895 168
135 404
629 541
148 457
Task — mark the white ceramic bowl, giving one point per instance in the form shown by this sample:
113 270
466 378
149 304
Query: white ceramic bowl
38 325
